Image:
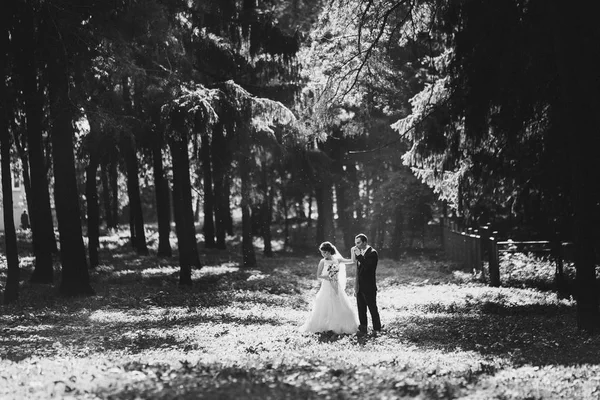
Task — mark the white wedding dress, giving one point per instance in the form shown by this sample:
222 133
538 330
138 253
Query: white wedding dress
332 310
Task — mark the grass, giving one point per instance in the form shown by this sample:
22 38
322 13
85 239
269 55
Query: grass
233 334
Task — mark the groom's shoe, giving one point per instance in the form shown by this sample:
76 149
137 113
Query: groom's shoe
362 329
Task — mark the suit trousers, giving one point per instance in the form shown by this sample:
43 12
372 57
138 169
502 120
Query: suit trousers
364 301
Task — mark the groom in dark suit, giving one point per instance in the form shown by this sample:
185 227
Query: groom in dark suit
365 288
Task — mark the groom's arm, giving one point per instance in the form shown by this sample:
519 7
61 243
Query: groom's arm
369 261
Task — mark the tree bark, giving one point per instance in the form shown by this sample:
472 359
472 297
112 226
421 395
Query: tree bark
75 276
11 292
163 203
93 210
248 255
286 220
397 236
133 191
227 209
354 194
209 225
108 216
324 199
578 116
220 166
42 225
182 201
129 151
266 211
114 190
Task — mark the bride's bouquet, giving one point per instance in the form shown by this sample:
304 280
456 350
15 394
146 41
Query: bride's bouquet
333 272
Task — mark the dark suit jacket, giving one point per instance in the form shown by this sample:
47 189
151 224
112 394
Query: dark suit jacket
365 272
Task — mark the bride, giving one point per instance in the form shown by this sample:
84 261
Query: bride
331 309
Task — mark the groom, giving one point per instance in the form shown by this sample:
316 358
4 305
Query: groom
365 288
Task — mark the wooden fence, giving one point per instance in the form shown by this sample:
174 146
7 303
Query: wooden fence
472 247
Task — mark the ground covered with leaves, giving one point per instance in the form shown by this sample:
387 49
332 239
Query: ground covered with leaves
234 334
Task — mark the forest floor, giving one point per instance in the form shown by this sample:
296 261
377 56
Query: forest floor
234 334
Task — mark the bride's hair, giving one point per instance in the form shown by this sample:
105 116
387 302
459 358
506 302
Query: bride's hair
328 247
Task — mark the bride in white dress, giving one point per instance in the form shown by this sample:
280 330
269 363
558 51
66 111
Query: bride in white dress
332 310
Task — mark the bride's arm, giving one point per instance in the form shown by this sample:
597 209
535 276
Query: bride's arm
320 271
343 260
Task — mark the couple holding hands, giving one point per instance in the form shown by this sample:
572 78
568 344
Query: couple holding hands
332 310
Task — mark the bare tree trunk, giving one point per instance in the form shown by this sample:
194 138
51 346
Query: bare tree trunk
133 190
325 227
38 196
398 233
11 292
129 151
114 190
248 255
220 166
310 202
163 203
75 276
266 211
182 201
106 196
93 210
579 117
227 201
208 225
286 221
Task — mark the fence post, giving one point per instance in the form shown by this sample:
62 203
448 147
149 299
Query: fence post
485 236
494 262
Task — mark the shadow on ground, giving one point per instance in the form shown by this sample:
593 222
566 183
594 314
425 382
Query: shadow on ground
530 334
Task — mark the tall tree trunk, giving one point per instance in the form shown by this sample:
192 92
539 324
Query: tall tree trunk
227 201
266 211
182 201
133 192
93 210
106 195
11 292
75 276
248 255
220 168
132 236
345 220
209 202
42 225
324 198
579 117
286 221
337 153
310 204
114 190
136 216
354 197
163 203
397 235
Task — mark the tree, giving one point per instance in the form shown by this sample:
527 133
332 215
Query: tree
508 103
25 39
11 292
75 276
182 198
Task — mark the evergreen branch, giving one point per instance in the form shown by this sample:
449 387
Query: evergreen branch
406 131
376 41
